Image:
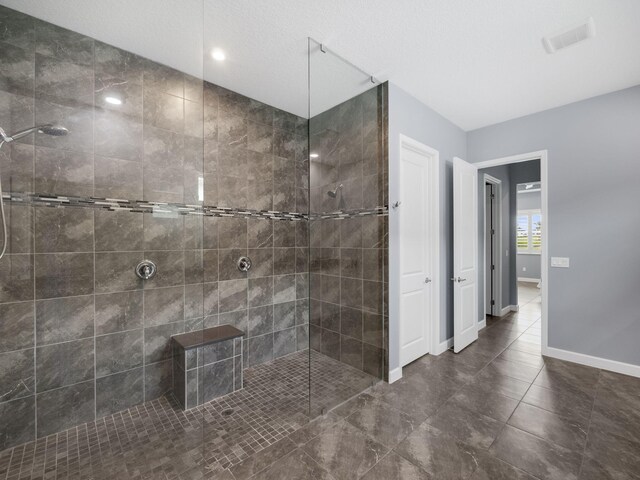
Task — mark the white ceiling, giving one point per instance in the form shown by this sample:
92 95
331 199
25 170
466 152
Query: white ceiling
475 62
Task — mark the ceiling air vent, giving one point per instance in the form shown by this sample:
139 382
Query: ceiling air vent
571 36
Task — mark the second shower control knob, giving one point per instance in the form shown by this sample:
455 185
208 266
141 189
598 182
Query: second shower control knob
244 264
146 269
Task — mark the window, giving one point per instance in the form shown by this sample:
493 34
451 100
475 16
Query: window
529 231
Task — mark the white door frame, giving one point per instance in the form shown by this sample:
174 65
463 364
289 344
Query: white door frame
543 156
497 248
394 248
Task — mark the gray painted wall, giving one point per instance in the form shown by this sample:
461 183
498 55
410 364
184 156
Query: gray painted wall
409 117
528 201
593 186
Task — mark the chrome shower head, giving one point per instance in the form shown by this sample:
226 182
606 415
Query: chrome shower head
53 130
47 129
334 193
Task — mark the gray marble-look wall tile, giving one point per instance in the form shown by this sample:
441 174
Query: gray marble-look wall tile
302 311
118 352
163 147
218 379
16 374
118 392
63 81
260 320
284 261
260 233
163 110
64 44
63 274
115 271
18 73
115 312
63 230
64 319
284 315
211 298
117 136
260 349
171 269
284 342
65 407
302 337
17 28
260 291
163 184
17 163
163 305
18 420
284 288
16 278
194 301
63 172
118 231
262 262
165 79
233 295
64 364
163 232
16 334
115 178
157 379
157 341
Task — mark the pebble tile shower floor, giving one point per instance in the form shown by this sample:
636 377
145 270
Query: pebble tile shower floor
157 440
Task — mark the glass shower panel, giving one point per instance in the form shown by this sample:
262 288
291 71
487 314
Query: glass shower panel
348 228
105 265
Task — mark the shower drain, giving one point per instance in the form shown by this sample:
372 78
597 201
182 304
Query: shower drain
227 412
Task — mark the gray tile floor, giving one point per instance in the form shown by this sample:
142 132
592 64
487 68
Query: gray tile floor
157 440
496 411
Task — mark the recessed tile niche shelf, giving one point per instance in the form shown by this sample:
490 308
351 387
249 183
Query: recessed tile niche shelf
207 364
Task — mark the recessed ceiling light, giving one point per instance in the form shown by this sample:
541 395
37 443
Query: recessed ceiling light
113 100
313 155
218 55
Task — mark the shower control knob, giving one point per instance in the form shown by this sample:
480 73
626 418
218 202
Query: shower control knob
146 269
244 264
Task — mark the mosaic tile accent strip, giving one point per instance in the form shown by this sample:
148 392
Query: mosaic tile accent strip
158 440
139 206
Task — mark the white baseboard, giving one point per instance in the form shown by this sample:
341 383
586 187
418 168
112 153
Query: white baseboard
530 280
395 374
482 323
515 308
590 361
443 346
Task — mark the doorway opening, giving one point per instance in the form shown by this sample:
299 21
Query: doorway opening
515 265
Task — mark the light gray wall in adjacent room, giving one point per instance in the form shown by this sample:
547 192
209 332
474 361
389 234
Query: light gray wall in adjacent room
594 168
409 117
528 201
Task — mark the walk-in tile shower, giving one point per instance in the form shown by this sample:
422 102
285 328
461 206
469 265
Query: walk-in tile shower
167 211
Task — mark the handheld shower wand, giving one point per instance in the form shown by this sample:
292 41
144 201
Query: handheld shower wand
48 129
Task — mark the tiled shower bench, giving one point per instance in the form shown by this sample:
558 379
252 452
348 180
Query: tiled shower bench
206 364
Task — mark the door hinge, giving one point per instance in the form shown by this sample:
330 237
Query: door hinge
492 196
493 302
493 267
493 232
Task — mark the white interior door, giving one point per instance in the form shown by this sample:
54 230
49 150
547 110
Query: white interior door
465 254
418 222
